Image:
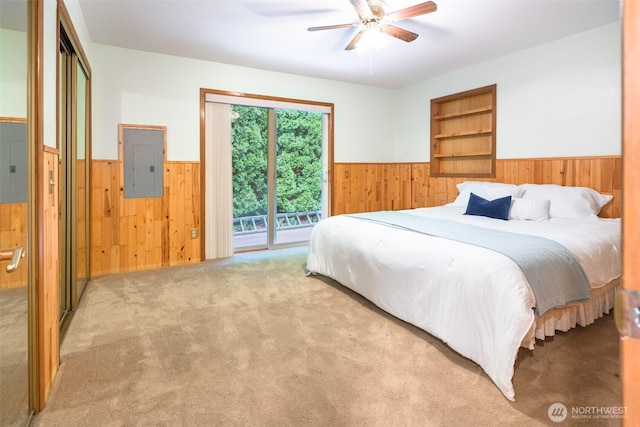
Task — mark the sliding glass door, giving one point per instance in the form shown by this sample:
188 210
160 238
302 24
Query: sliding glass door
277 175
298 178
266 179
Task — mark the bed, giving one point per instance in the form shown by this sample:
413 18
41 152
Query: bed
479 300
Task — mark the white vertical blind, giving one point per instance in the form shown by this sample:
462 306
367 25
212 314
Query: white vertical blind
219 186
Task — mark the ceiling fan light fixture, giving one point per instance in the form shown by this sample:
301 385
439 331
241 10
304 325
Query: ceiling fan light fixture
377 22
372 39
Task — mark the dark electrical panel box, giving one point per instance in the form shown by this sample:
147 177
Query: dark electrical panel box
143 151
13 162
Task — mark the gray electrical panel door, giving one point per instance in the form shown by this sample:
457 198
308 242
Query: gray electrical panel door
143 162
13 162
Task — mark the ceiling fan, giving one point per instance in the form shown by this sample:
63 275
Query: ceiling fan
373 17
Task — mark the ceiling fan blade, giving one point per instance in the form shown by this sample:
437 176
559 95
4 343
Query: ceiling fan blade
354 41
398 33
362 7
411 11
331 27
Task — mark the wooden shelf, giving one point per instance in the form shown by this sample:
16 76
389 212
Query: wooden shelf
456 155
463 133
463 113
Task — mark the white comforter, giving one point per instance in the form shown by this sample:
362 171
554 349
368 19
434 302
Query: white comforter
476 300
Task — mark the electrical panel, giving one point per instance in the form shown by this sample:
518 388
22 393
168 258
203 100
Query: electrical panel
143 153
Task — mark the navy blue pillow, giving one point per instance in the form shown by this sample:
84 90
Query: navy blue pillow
498 208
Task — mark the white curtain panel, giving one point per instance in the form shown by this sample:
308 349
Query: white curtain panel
219 186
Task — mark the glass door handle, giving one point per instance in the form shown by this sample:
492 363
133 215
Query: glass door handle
14 255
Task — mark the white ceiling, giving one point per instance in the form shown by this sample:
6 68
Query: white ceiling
272 34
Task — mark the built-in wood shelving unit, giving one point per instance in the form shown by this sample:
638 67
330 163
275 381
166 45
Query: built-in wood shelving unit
463 134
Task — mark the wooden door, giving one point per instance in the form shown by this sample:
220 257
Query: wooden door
629 346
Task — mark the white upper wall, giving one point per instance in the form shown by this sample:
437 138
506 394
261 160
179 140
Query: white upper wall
50 84
135 87
554 100
558 99
13 73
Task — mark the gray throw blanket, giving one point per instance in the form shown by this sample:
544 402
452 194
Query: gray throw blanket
553 273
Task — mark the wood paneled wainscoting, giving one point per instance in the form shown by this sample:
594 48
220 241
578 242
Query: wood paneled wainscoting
369 187
366 187
48 295
144 233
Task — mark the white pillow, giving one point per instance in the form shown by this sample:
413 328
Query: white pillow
567 202
529 209
486 190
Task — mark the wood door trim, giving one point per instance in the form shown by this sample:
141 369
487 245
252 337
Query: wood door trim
630 347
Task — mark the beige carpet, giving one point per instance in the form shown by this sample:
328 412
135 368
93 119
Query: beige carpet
253 342
14 358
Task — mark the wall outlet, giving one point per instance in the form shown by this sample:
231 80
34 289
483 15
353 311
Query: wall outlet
194 233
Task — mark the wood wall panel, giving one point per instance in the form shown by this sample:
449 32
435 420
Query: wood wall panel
81 217
365 187
138 234
144 233
355 184
629 346
49 269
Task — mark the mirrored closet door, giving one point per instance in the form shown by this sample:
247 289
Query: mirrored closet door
74 96
15 201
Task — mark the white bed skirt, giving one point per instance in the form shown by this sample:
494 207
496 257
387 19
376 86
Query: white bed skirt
583 314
